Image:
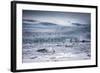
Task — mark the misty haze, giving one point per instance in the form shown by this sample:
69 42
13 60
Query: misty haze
55 36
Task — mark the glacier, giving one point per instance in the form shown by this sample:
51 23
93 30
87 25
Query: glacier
45 41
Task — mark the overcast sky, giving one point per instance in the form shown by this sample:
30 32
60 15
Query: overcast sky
61 18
